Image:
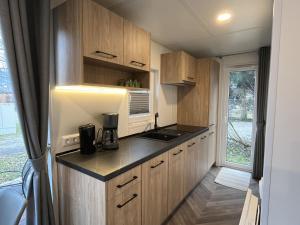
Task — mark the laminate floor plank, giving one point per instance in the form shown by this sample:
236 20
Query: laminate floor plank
211 204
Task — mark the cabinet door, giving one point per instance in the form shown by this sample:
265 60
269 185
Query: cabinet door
190 166
154 190
136 47
203 165
213 92
212 139
188 67
204 147
102 33
125 208
176 177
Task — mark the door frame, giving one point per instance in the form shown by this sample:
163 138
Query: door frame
224 118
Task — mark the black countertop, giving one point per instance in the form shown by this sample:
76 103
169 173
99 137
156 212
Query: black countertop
133 151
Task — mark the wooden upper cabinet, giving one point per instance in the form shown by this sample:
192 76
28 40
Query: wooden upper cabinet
178 68
199 105
136 47
102 33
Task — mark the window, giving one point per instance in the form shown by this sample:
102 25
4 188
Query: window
12 150
139 102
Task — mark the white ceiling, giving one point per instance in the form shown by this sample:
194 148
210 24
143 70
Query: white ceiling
191 24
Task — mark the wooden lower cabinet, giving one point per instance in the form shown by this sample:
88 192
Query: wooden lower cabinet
203 164
154 190
212 146
125 208
144 195
176 177
190 165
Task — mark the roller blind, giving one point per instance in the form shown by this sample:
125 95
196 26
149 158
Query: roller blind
138 102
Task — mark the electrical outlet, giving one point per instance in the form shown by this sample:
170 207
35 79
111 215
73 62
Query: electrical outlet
69 140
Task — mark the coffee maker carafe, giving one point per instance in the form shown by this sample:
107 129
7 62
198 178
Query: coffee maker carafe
110 131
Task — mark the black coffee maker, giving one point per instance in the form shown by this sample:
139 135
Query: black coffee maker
110 131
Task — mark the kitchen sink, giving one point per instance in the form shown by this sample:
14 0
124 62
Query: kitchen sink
163 135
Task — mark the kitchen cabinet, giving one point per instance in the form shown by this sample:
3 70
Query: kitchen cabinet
176 177
125 208
212 139
94 46
198 105
178 68
102 33
191 159
136 47
204 148
155 190
144 195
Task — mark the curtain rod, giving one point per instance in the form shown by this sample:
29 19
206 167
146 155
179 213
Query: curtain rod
221 56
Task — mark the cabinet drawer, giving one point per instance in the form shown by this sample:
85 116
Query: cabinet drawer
123 182
192 143
125 208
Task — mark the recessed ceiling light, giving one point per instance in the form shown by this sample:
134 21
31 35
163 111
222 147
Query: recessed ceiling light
224 17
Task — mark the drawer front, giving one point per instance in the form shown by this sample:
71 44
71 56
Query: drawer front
192 143
125 208
123 182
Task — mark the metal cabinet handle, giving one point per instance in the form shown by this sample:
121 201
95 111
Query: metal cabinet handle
203 137
178 152
105 55
211 133
211 124
122 185
135 63
161 162
129 200
191 145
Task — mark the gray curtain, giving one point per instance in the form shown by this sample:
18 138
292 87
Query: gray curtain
25 26
262 98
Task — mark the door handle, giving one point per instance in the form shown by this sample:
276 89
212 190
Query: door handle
177 153
191 145
161 162
124 184
135 63
105 55
129 200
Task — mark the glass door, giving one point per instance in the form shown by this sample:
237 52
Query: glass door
240 123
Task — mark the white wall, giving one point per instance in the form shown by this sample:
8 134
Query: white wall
281 195
69 109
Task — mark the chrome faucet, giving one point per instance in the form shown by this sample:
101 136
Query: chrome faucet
155 124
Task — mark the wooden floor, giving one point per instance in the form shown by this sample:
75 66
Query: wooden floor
211 204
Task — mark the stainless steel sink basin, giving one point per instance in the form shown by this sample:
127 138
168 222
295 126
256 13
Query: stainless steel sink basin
163 135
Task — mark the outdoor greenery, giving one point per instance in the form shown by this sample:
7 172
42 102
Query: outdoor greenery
12 151
240 116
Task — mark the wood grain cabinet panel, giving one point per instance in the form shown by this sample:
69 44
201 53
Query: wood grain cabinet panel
178 68
212 139
176 177
125 208
198 105
154 190
102 33
190 165
123 182
136 47
203 162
